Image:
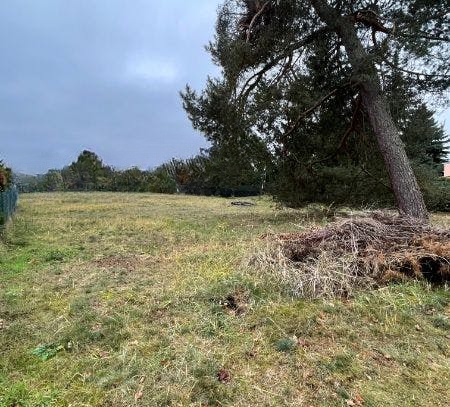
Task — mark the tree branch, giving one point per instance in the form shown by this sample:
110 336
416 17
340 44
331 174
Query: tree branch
255 17
314 107
425 36
428 75
371 19
247 87
376 179
346 134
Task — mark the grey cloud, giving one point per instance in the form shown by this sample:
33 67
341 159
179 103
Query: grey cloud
101 74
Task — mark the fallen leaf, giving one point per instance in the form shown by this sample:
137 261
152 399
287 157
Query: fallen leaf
355 401
359 401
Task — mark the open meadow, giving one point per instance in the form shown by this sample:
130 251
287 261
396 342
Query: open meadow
110 299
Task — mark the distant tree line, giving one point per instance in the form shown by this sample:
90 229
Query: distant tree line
354 176
209 173
90 173
225 171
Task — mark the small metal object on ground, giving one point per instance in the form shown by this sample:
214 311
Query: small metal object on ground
242 203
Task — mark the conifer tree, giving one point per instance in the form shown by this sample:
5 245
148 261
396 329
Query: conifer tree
291 66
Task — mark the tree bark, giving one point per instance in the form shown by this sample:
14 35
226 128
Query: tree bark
406 190
404 184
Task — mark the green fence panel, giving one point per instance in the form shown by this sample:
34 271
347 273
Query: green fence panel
8 204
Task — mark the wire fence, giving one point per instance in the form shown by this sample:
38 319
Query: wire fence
8 204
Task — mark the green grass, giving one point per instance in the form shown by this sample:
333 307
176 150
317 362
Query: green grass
118 300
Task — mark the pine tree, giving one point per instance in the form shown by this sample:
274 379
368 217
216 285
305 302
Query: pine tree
289 67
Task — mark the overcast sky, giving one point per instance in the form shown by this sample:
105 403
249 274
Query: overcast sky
102 75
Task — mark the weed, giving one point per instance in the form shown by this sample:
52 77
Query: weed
286 345
47 351
340 363
441 322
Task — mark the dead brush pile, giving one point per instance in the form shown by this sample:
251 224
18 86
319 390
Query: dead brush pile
356 253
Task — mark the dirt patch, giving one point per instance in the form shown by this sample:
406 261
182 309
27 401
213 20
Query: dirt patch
128 263
236 302
359 252
224 376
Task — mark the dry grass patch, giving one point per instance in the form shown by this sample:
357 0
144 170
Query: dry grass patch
356 253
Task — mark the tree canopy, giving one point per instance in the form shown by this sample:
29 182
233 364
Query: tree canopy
86 173
311 78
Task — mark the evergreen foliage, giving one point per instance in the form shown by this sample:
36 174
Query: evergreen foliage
222 170
290 84
87 173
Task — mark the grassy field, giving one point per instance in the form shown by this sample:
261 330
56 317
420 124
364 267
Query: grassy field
127 300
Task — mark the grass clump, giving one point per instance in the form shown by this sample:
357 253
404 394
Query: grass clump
286 345
441 322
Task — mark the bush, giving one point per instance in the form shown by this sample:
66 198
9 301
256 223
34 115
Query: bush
5 176
331 185
437 195
355 186
162 182
436 189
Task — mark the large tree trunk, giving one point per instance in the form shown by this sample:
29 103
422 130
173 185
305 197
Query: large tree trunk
407 192
404 184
